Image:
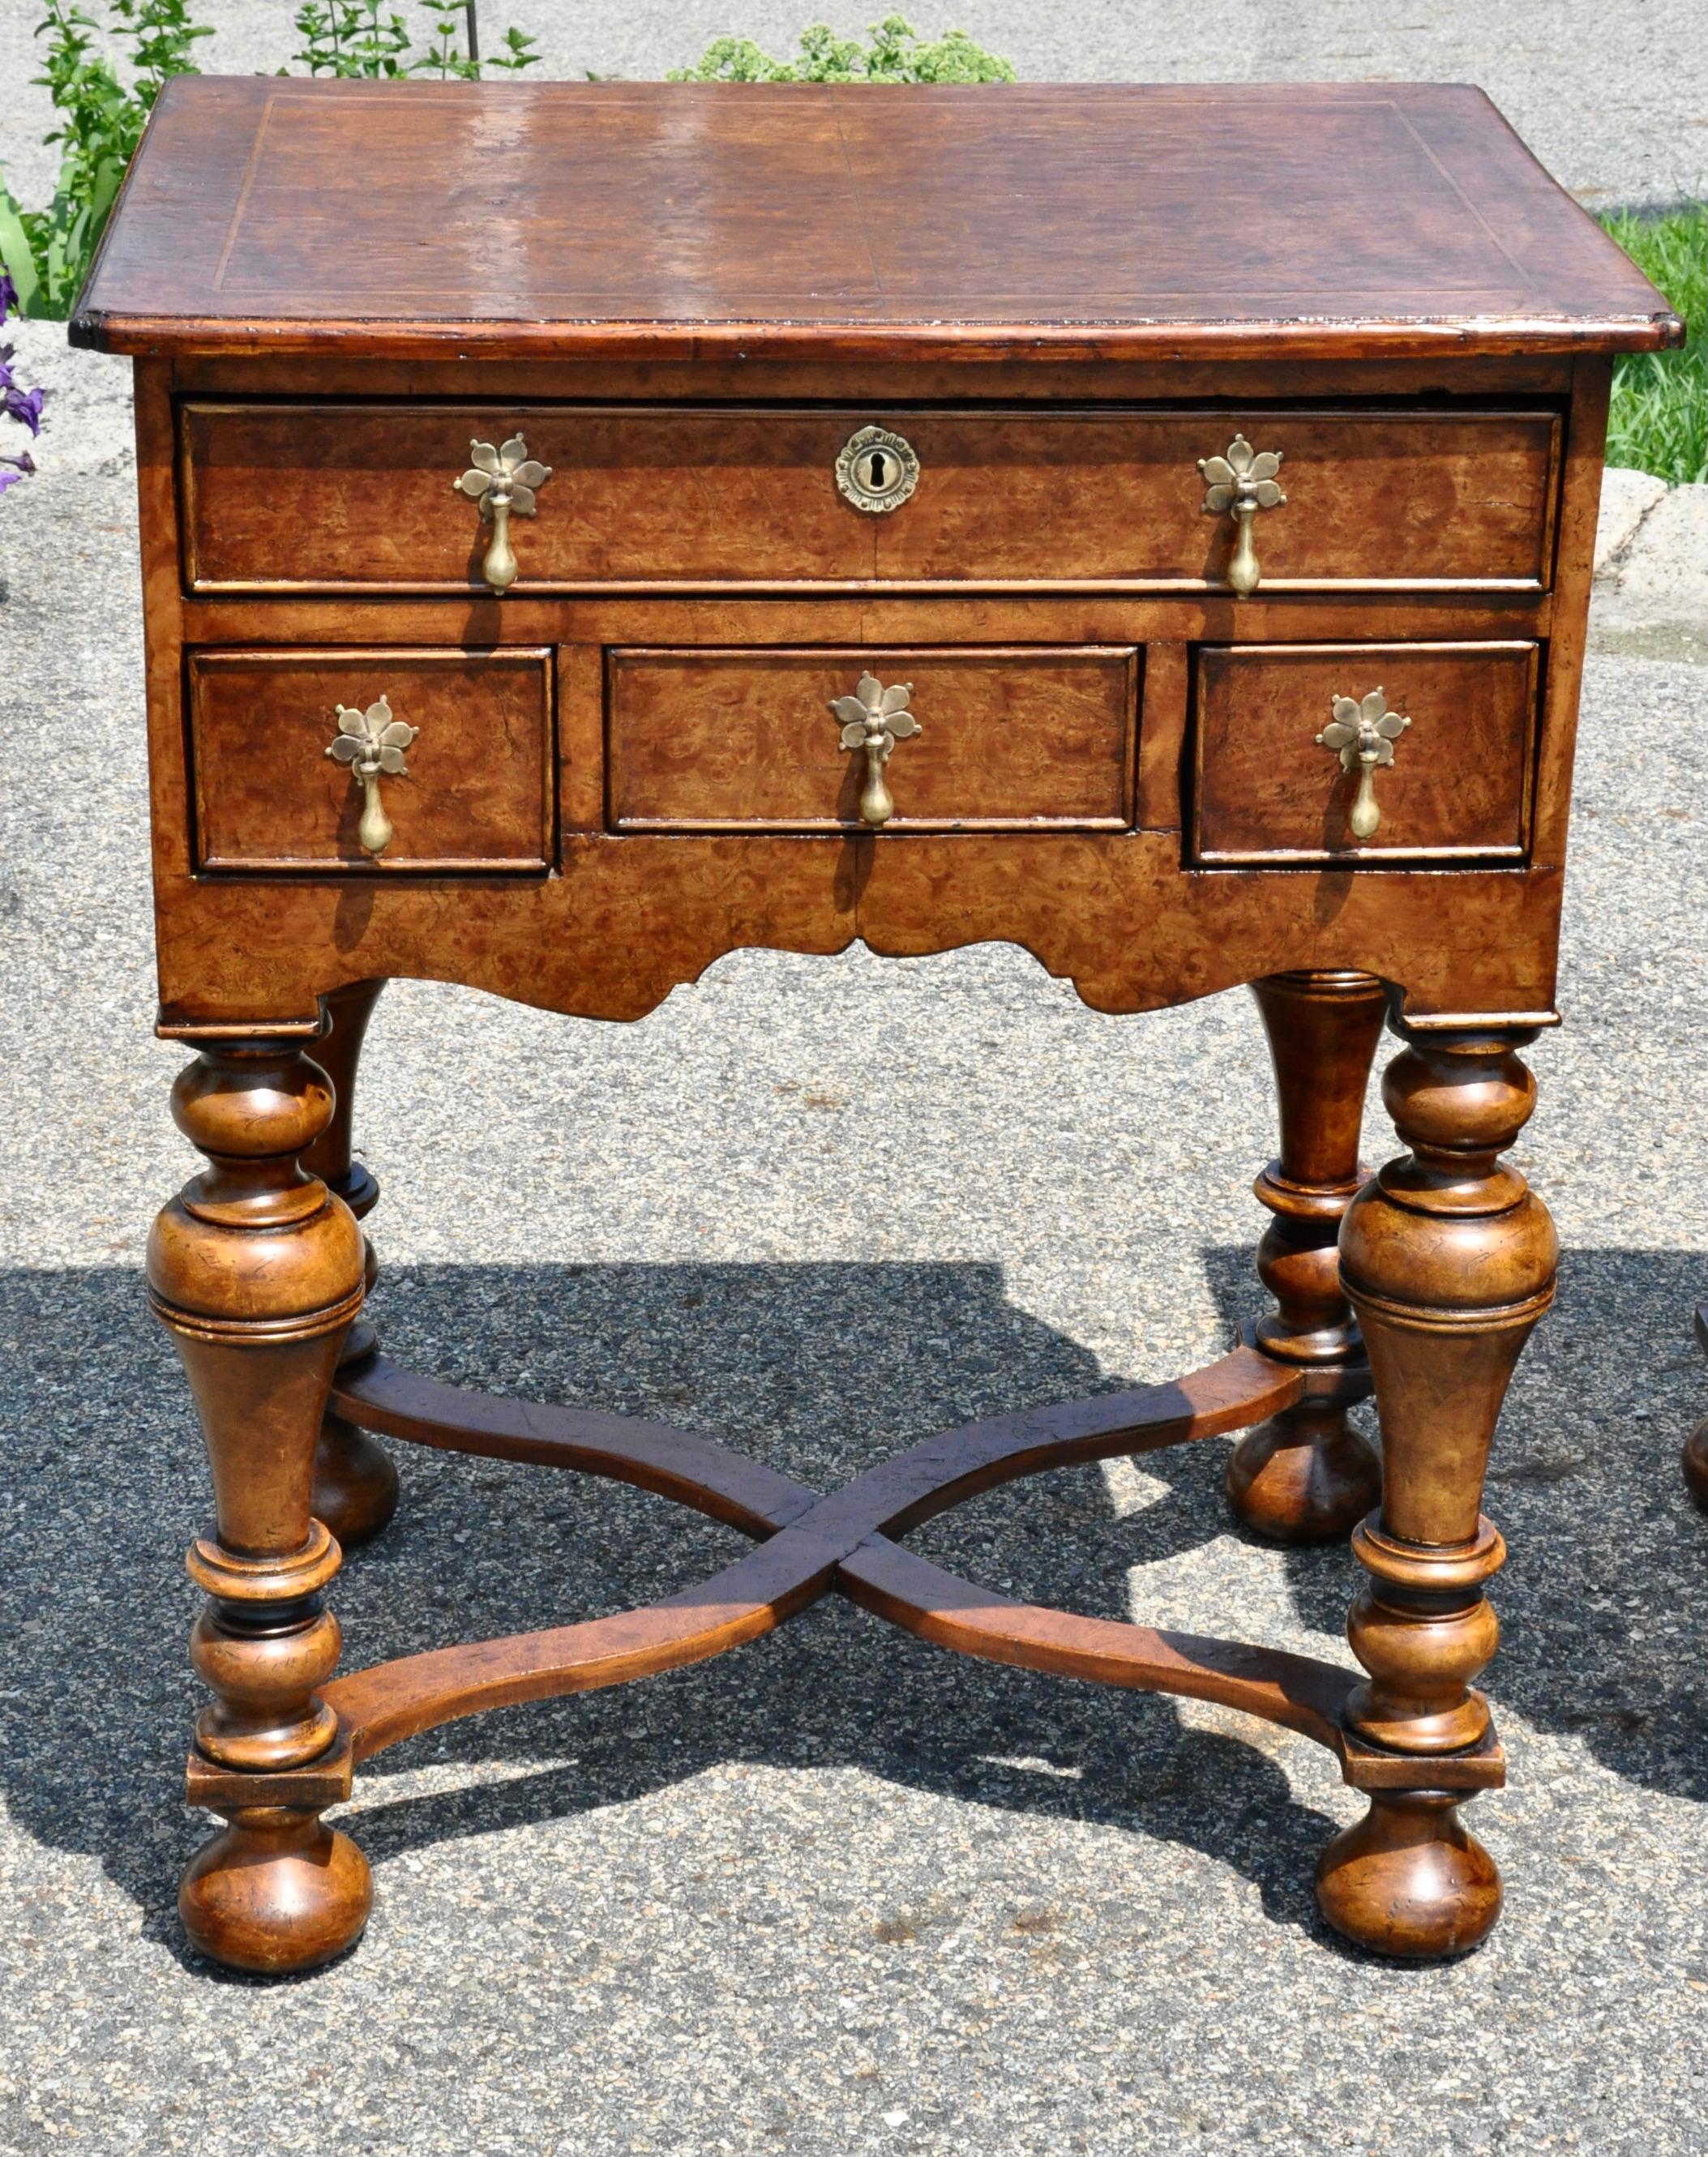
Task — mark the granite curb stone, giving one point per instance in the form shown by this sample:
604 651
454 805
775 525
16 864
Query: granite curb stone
1626 499
1652 598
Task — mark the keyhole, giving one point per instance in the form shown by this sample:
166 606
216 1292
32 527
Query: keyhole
876 469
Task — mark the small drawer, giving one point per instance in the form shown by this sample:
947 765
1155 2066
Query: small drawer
338 497
475 792
1457 785
992 739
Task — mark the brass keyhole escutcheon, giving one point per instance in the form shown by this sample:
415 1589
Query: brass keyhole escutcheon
876 471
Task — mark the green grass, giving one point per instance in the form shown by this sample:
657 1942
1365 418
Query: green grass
1658 423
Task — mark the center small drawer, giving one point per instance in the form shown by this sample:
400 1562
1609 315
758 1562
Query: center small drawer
970 738
372 761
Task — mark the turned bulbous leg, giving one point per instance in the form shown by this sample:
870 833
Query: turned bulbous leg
1448 1259
276 1877
1408 1879
257 1270
1696 1460
355 1480
1306 1475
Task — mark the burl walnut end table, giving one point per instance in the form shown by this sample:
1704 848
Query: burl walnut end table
589 529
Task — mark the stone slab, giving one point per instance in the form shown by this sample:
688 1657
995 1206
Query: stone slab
1626 499
1652 602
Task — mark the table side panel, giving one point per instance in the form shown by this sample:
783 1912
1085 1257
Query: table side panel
1574 572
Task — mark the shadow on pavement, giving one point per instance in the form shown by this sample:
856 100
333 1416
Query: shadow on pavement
819 1370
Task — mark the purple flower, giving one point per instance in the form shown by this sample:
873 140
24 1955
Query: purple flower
23 405
16 403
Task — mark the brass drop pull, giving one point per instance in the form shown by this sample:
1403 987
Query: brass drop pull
1364 732
1243 483
875 719
500 481
370 743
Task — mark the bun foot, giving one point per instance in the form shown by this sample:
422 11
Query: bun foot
1408 1879
1696 1464
355 1483
274 1891
1305 1476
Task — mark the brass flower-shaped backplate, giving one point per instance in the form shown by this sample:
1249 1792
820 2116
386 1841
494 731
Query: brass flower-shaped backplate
373 737
502 480
872 707
1243 475
1241 484
508 471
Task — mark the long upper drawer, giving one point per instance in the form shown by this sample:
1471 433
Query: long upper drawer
341 497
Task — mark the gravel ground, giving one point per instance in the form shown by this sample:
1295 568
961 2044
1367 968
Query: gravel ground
1603 90
836 1892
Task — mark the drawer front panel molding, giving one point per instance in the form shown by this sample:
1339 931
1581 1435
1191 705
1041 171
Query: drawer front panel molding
1447 733
337 496
1002 740
468 789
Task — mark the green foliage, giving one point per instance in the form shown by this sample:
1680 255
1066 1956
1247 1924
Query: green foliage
895 54
348 37
442 57
1658 420
353 39
47 251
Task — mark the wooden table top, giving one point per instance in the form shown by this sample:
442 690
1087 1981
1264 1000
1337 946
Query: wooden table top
624 220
